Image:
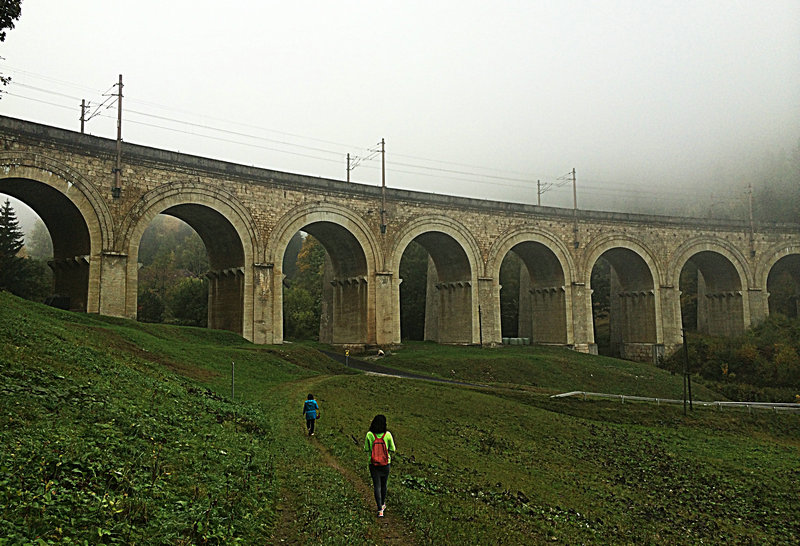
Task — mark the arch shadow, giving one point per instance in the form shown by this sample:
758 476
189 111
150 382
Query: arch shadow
229 234
74 213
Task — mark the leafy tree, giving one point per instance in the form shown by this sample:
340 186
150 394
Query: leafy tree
290 256
10 10
151 307
601 305
762 364
188 302
601 288
172 258
161 275
38 243
302 295
300 319
311 267
510 271
688 288
168 234
414 272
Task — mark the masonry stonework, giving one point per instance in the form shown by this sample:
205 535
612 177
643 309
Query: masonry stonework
246 217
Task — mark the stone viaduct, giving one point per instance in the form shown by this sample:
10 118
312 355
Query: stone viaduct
246 217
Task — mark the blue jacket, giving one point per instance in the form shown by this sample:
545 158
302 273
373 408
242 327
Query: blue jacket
310 409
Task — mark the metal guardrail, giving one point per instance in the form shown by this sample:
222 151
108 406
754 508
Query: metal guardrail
777 406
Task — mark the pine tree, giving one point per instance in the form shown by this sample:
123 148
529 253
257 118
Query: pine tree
12 266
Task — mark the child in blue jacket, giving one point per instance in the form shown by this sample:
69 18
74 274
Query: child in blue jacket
311 412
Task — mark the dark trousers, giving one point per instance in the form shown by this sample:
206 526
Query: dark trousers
310 425
380 479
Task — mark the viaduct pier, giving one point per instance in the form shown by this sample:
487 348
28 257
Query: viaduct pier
246 217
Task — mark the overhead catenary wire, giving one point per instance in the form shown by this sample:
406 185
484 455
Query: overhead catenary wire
626 190
239 133
490 177
588 185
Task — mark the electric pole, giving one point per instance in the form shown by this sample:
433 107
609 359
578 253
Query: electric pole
575 210
116 190
750 207
539 192
383 186
348 167
83 114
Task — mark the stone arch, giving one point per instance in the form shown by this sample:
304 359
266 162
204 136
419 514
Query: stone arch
349 298
636 325
772 256
448 226
603 244
696 245
451 314
64 199
505 243
228 232
299 217
723 307
545 298
784 253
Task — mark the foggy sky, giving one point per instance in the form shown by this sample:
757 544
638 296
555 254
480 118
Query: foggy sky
649 99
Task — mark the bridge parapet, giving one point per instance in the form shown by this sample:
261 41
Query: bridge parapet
247 215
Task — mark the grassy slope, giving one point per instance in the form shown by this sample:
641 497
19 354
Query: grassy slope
546 369
105 443
475 466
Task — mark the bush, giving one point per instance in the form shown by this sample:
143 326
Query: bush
188 302
760 365
301 319
151 307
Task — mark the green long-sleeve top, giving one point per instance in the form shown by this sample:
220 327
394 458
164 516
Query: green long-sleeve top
387 438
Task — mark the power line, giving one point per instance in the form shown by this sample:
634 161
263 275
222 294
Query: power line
528 178
48 91
411 168
589 188
11 94
230 141
236 133
12 69
630 191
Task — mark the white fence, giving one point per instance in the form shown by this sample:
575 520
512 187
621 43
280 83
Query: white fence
779 406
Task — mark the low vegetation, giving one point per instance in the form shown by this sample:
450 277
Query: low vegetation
123 432
762 365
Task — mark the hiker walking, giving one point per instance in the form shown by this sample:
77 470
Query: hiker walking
380 445
311 413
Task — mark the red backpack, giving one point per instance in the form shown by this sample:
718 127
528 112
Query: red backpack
379 455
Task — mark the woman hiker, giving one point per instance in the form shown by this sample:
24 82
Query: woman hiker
311 413
380 445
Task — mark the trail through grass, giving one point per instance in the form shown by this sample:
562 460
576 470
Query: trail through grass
118 432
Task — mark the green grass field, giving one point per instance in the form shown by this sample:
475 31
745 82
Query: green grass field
120 432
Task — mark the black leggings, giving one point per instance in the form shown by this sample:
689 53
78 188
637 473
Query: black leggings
380 479
310 425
